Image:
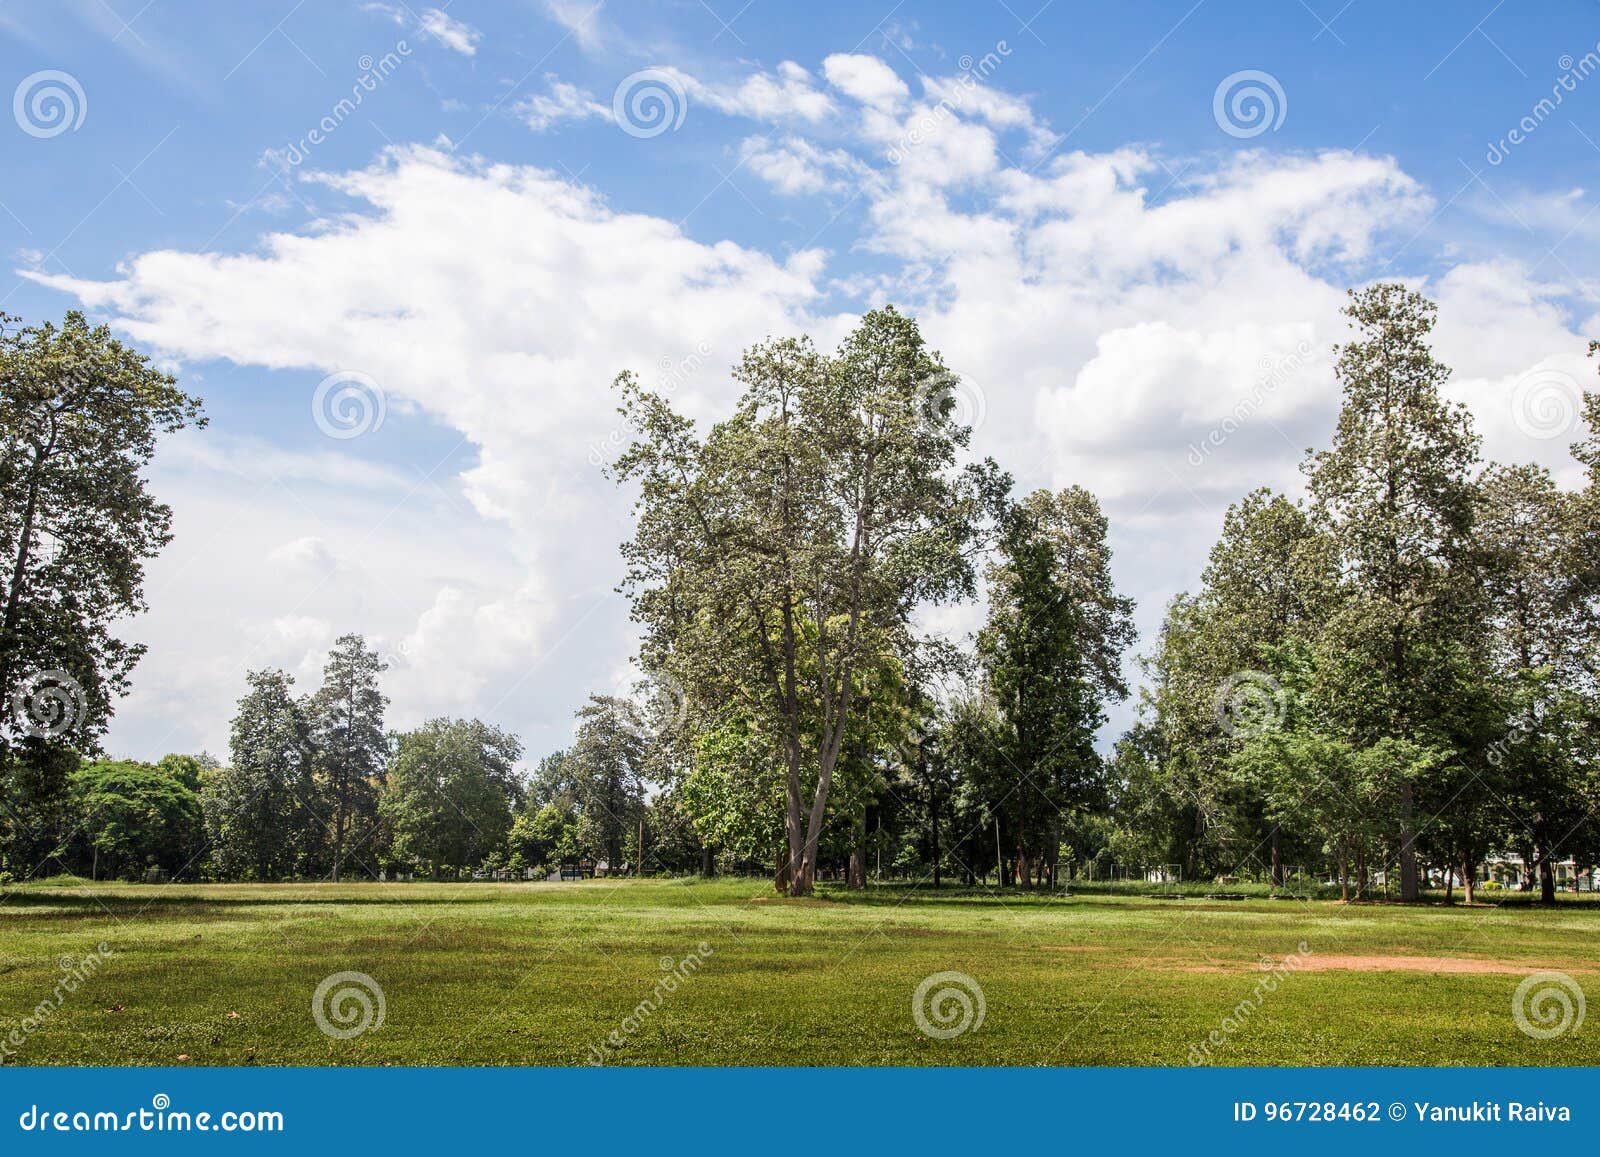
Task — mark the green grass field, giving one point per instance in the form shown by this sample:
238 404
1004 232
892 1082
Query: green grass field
538 973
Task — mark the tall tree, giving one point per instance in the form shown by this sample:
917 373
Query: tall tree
1525 533
1395 492
264 814
606 763
1053 649
347 719
80 418
788 549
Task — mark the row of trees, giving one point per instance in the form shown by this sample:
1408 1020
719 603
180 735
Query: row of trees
1406 660
1397 669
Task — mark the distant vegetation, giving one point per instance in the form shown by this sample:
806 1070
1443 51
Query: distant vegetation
1396 673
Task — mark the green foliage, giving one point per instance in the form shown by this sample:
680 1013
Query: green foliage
80 418
135 816
265 814
449 793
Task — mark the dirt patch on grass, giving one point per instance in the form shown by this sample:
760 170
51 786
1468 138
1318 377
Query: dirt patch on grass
1338 963
1331 962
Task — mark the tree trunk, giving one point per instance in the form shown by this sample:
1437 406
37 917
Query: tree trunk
781 876
1468 878
1277 855
1541 858
1408 849
933 816
858 856
708 864
1344 876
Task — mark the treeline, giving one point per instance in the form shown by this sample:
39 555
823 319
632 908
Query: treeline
317 788
1400 668
1394 673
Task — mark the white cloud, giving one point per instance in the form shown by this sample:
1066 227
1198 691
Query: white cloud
559 102
790 93
1112 316
866 79
581 18
796 167
454 34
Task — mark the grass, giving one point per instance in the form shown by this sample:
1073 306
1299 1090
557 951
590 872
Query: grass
537 973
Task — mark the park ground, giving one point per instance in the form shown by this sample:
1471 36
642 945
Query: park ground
565 974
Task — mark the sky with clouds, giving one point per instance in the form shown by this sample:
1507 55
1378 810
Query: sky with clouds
402 251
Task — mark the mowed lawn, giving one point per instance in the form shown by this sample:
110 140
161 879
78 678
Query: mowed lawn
538 973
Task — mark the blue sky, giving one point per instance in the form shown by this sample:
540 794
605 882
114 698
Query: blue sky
1138 277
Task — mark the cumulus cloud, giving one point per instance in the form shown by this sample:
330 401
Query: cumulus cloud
1164 342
